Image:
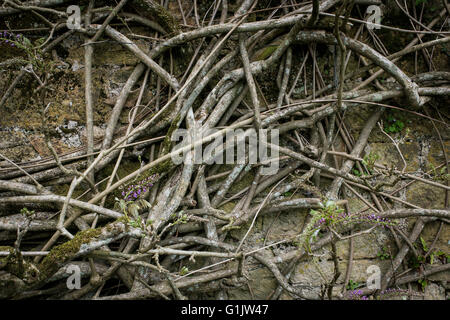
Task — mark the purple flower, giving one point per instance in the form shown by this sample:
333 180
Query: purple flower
136 190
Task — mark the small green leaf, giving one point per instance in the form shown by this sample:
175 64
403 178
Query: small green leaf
26 42
424 244
423 283
184 270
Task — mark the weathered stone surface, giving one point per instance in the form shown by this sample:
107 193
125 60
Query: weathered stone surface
66 141
434 291
354 204
436 154
391 157
15 146
261 282
356 117
11 139
98 133
425 196
367 246
38 143
443 241
311 276
285 225
108 53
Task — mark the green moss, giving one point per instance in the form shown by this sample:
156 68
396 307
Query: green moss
265 53
158 169
228 207
64 252
167 21
123 219
63 189
110 54
167 143
246 181
6 248
125 168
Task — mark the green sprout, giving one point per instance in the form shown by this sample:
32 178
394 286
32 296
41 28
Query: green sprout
352 285
394 125
184 270
384 254
423 283
369 161
26 212
439 174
